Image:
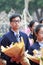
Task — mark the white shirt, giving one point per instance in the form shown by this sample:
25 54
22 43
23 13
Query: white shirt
41 44
17 35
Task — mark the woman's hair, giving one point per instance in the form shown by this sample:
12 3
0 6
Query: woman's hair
38 28
41 19
32 23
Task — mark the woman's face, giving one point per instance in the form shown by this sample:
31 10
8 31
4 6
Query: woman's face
34 25
40 34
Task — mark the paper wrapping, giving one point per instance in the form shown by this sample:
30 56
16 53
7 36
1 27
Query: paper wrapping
14 50
33 58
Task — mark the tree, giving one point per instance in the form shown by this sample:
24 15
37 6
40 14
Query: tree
6 5
36 5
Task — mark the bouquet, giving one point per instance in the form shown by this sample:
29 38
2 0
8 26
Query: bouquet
15 50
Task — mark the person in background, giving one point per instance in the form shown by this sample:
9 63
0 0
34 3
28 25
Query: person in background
27 30
39 42
11 36
32 37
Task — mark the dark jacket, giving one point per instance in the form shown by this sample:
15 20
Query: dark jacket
32 36
34 46
8 38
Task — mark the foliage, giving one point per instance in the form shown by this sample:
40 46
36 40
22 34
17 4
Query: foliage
6 5
35 4
18 5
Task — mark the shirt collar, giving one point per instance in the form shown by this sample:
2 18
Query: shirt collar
15 33
41 44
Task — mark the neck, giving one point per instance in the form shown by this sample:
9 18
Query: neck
15 30
40 40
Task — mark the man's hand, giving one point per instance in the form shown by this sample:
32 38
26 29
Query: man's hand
16 59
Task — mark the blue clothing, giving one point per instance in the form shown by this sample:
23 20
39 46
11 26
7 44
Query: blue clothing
34 46
32 36
0 40
8 38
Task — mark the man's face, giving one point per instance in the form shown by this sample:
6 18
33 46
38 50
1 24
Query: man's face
15 23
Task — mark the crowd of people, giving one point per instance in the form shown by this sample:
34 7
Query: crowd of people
34 40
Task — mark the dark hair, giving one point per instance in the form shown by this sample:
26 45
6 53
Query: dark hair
38 28
41 19
14 16
31 23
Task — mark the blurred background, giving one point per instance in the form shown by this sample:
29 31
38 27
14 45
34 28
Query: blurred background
28 9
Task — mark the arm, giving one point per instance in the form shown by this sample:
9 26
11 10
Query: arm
5 42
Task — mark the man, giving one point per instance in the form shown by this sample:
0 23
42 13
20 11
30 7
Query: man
10 37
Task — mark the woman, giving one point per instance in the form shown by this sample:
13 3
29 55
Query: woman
39 42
